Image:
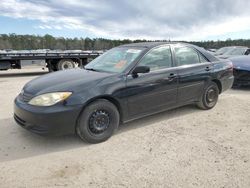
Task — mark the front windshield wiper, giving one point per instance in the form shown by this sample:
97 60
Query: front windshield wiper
97 70
91 69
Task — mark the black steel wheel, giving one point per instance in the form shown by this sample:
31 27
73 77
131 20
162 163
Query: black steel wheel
209 97
98 121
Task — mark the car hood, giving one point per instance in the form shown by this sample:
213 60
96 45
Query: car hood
241 63
74 80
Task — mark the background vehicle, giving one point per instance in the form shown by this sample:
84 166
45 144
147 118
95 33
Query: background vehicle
235 51
125 83
241 70
212 50
53 60
223 50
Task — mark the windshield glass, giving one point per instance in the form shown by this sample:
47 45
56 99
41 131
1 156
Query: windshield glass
235 51
115 60
222 50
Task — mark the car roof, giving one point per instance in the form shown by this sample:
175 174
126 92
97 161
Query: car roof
149 44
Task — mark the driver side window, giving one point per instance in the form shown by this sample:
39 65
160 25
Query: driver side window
158 58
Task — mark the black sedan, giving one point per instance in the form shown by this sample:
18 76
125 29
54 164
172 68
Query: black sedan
241 70
125 83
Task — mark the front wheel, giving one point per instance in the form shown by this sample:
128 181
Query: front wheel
209 97
98 121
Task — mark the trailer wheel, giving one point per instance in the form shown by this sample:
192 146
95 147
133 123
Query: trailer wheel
65 64
5 65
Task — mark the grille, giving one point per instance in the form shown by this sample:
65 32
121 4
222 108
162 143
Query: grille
26 97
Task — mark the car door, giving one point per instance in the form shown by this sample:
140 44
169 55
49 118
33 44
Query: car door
156 90
194 70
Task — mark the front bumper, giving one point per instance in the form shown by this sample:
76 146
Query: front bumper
58 119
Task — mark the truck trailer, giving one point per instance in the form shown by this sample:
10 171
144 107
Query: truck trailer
53 60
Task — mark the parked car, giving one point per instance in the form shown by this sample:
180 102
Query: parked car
212 50
223 50
241 70
123 84
235 51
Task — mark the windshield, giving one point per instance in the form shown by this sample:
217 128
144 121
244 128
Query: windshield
222 50
235 51
115 60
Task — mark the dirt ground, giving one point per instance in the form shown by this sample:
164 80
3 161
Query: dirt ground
185 147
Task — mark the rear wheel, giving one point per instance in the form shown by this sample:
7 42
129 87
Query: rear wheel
5 65
209 97
65 64
98 121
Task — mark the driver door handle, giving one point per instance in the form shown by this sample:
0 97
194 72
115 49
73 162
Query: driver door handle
172 75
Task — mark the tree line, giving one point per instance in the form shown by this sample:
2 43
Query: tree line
33 42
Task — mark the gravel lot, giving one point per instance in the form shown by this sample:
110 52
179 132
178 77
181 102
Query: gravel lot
186 147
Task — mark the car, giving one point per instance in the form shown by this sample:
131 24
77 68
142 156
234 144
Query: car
223 50
235 51
241 66
125 83
212 50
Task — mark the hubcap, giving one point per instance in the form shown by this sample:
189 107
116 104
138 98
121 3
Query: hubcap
211 95
99 121
67 65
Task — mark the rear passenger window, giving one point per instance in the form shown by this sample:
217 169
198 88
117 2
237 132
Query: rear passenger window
187 56
202 59
157 58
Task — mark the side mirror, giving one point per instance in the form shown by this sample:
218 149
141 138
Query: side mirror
141 69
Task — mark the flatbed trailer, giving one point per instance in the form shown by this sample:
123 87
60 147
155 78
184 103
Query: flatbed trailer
53 60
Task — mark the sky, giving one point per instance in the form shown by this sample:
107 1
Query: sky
190 20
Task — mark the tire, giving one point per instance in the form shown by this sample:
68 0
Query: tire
209 97
5 65
65 64
98 121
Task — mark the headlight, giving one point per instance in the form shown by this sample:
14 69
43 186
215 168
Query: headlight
49 99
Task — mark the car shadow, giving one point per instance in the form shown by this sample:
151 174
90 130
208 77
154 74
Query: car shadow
242 88
152 119
17 143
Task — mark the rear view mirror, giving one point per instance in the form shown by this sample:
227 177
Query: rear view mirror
141 69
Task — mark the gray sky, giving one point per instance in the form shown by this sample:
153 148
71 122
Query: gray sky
144 19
